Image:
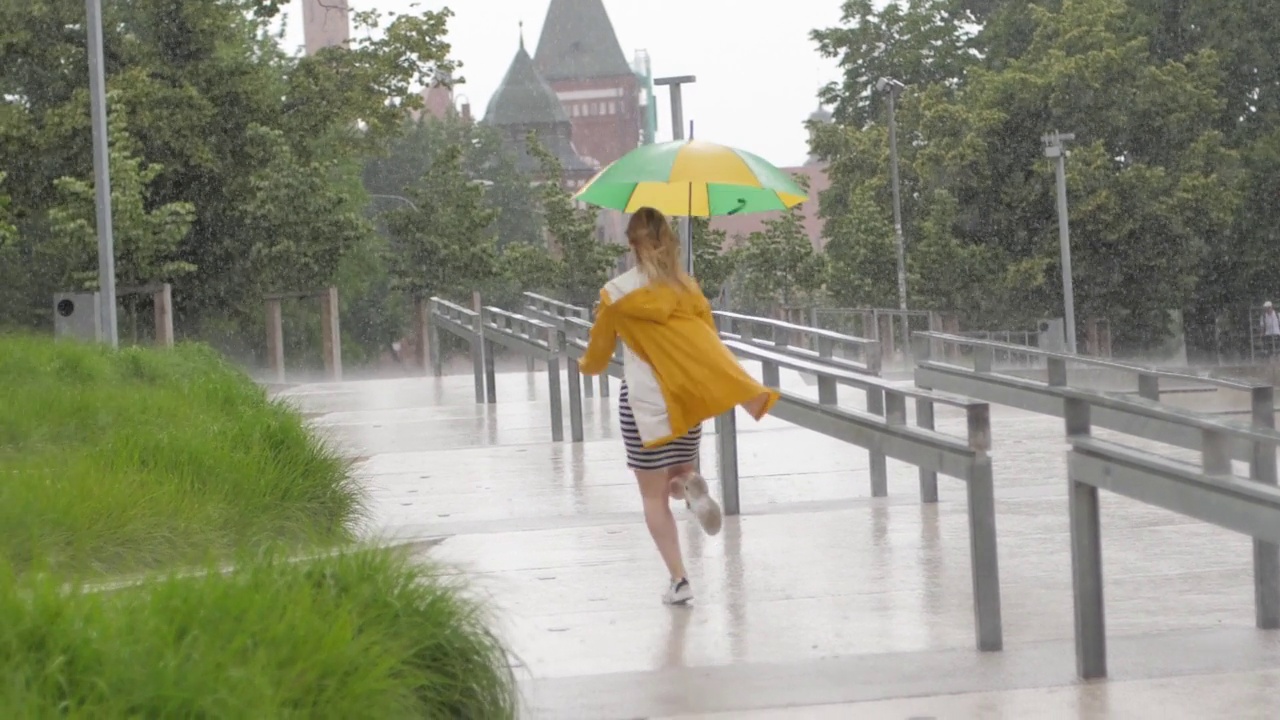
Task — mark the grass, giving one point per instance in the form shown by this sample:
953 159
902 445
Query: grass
360 635
119 462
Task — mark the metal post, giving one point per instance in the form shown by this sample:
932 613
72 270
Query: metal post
575 398
1053 149
557 401
893 88
102 173
983 556
674 85
478 350
928 478
879 463
1149 386
727 458
1266 556
1086 557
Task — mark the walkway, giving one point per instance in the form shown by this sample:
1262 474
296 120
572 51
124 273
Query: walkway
819 602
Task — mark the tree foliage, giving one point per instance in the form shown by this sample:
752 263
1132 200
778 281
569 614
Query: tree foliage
146 240
1154 180
266 148
713 262
443 245
584 263
778 267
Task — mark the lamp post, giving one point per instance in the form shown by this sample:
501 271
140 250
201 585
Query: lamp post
892 88
101 172
674 84
1054 150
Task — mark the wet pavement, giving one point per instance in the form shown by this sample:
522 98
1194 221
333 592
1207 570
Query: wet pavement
819 601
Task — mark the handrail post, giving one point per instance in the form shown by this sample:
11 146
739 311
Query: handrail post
727 460
878 463
1086 558
1149 386
575 389
828 392
874 357
983 358
480 353
1266 556
490 365
983 553
555 346
1056 370
771 374
434 351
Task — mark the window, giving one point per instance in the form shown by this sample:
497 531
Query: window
613 108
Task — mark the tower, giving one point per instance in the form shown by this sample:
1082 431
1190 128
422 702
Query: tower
580 57
325 23
524 102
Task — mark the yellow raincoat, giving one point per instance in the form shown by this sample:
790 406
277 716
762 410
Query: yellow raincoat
672 334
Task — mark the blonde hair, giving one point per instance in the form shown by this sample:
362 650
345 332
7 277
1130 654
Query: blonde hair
656 247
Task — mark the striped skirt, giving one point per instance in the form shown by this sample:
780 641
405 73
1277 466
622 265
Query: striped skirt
681 451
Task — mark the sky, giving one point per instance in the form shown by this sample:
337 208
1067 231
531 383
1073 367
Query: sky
758 72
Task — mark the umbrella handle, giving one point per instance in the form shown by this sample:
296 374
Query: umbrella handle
742 205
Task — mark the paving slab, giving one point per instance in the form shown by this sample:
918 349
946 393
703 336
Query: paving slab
819 600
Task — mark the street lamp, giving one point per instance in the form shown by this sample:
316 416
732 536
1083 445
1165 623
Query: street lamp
892 88
1054 150
675 84
101 172
404 200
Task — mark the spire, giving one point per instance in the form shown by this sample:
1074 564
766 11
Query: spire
578 43
522 36
524 97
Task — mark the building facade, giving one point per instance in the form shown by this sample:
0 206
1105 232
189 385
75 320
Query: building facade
580 58
325 23
524 103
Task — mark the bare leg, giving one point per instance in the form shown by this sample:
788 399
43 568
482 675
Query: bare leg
655 489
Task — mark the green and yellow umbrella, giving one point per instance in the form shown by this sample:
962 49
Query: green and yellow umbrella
692 178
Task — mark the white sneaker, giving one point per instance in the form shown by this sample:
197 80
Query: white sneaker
702 504
679 593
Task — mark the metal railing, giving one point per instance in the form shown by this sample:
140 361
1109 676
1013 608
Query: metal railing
848 351
1210 492
493 326
884 431
556 313
1043 396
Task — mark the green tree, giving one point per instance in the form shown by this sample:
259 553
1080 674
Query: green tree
242 131
1151 178
8 231
444 244
584 263
146 240
778 267
713 263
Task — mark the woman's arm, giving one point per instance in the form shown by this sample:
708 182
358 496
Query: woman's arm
604 337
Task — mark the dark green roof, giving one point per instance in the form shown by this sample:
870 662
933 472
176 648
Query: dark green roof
524 97
578 43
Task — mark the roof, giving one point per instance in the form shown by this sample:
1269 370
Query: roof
578 43
524 97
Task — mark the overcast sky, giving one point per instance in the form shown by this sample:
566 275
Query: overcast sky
758 71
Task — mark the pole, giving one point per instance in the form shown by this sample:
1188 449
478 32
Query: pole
102 173
897 200
1054 149
674 85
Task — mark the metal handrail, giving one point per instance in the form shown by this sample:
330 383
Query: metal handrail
1136 368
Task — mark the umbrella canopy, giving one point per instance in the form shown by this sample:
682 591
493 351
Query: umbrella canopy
695 178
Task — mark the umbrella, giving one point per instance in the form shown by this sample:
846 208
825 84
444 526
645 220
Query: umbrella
693 178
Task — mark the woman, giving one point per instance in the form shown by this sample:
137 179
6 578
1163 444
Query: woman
676 374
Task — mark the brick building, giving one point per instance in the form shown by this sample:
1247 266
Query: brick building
580 57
